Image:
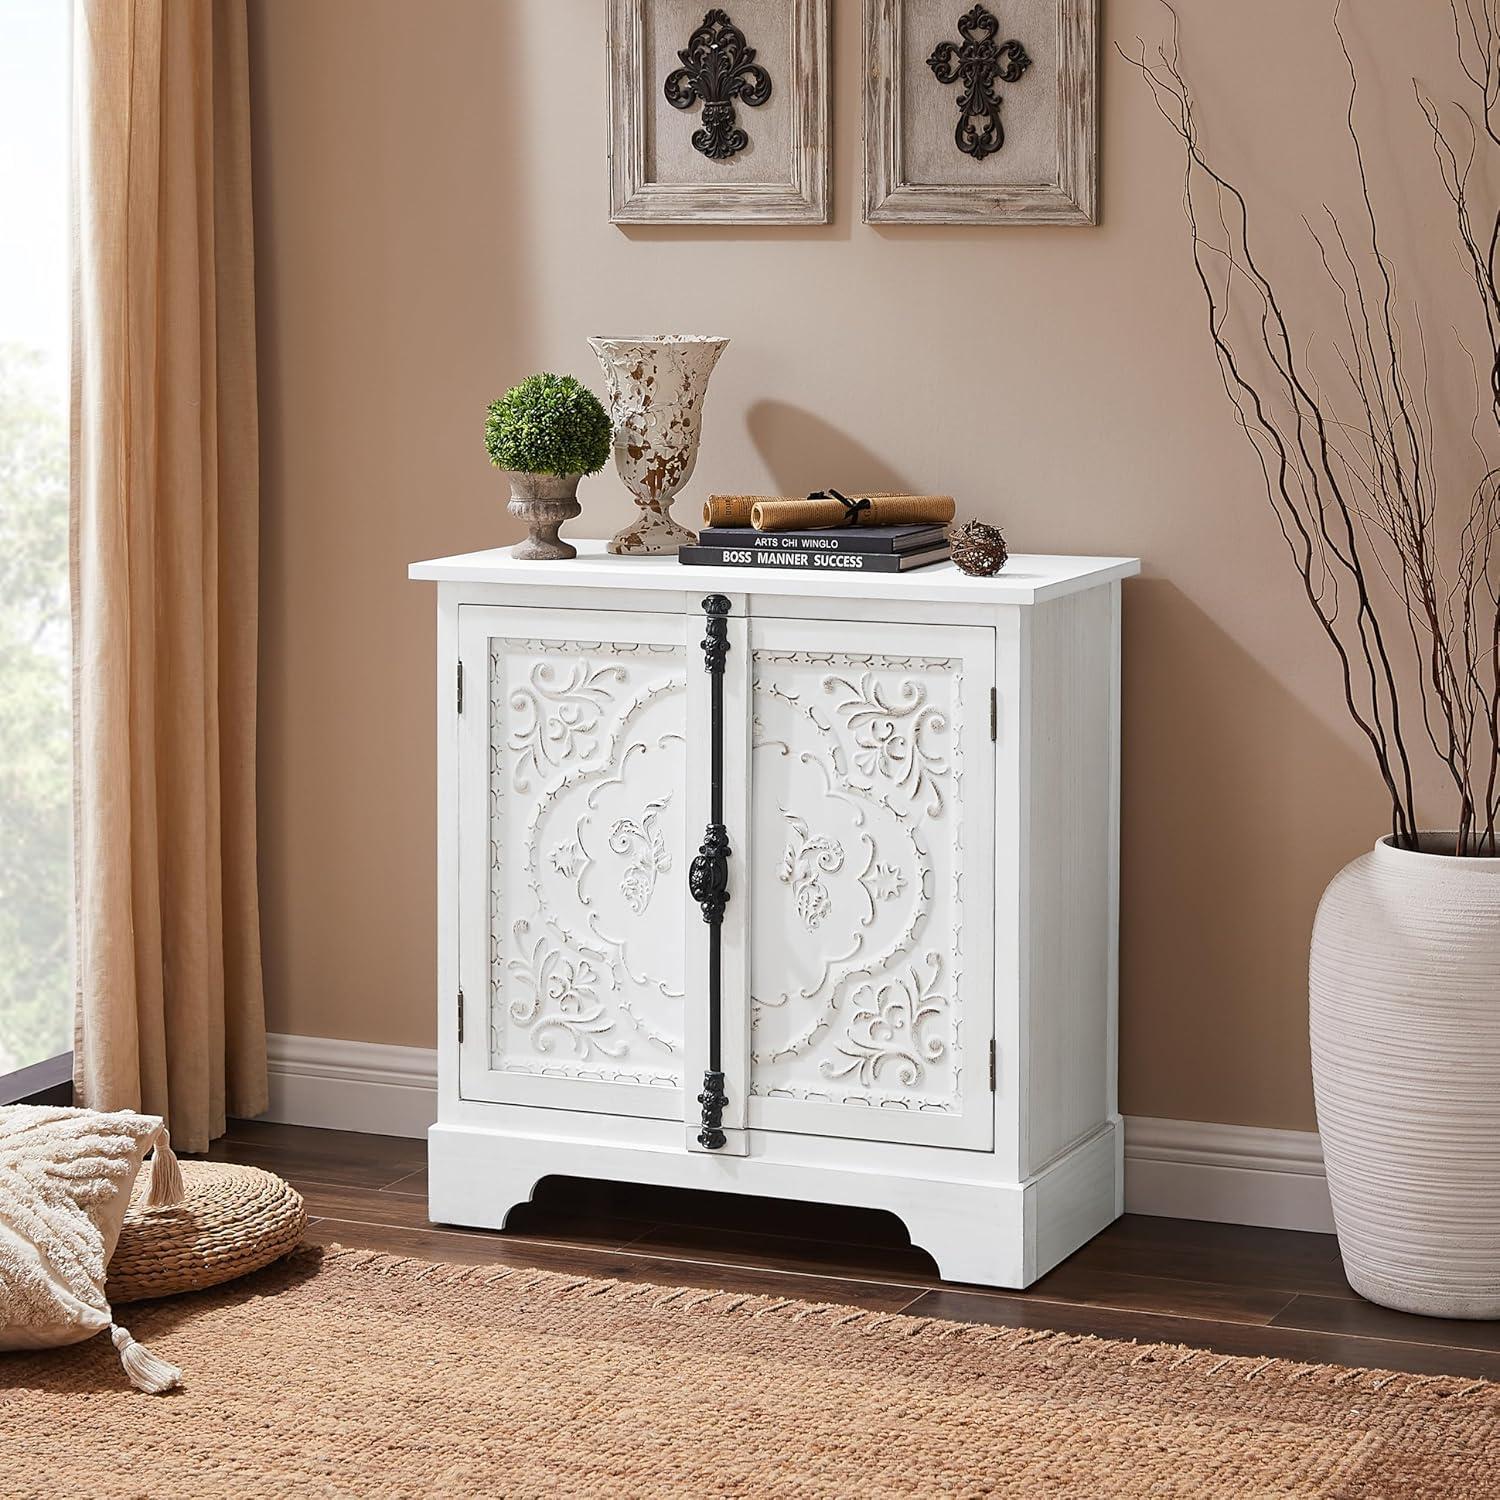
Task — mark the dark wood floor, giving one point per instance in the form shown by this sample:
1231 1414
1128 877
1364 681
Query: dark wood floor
1216 1286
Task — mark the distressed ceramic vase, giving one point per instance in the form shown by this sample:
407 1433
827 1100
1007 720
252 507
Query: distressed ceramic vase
656 390
1405 1017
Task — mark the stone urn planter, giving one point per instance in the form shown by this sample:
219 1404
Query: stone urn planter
542 502
656 391
546 433
1405 1021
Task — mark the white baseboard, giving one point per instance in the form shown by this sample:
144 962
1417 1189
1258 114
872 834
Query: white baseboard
362 1086
1232 1174
1181 1169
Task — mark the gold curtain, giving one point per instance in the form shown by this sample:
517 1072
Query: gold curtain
170 1015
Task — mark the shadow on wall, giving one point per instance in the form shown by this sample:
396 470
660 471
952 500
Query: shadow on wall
805 453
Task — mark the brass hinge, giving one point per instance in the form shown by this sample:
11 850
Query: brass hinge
460 687
461 1024
992 1064
994 713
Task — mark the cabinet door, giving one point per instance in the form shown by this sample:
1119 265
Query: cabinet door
872 905
572 858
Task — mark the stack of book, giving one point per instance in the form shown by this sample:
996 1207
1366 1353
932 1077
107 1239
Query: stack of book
842 549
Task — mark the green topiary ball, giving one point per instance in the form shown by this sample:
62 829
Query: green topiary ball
549 424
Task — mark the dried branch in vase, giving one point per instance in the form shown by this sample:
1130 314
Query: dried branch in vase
1353 477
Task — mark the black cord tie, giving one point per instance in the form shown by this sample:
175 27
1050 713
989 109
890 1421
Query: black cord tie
852 508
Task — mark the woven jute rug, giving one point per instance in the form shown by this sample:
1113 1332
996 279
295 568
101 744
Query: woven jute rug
352 1373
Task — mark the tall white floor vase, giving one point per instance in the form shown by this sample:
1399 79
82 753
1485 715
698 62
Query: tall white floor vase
1405 1008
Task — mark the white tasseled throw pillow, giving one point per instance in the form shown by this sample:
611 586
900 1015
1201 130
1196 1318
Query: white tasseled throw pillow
65 1181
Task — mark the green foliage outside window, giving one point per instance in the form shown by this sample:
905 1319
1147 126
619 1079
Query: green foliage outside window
35 719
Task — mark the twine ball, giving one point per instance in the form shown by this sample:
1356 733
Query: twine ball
977 549
232 1220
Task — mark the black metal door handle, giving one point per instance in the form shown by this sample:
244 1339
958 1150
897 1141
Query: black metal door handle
708 875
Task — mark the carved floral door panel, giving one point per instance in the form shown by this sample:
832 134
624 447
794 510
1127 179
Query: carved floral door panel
872 903
573 751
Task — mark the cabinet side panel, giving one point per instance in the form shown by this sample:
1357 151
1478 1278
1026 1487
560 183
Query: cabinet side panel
1070 995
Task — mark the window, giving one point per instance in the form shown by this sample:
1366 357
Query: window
36 866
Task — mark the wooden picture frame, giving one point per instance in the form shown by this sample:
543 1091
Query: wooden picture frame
1067 193
789 186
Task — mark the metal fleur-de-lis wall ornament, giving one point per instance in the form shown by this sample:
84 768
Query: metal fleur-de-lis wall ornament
978 63
718 67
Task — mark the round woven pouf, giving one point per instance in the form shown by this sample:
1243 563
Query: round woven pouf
232 1220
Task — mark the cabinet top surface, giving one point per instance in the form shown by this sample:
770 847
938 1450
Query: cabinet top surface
1028 578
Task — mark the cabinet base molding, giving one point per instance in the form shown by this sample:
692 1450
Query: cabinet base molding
1184 1169
988 1233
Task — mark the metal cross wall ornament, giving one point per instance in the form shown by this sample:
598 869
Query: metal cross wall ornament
718 67
978 63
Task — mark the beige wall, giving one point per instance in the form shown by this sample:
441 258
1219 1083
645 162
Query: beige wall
432 225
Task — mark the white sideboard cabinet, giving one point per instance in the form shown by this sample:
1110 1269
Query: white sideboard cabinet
797 885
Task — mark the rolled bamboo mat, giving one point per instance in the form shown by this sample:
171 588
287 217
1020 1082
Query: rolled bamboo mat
806 513
729 510
882 510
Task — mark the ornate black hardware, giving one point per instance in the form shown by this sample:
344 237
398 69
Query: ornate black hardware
978 63
718 68
713 1100
715 649
708 876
